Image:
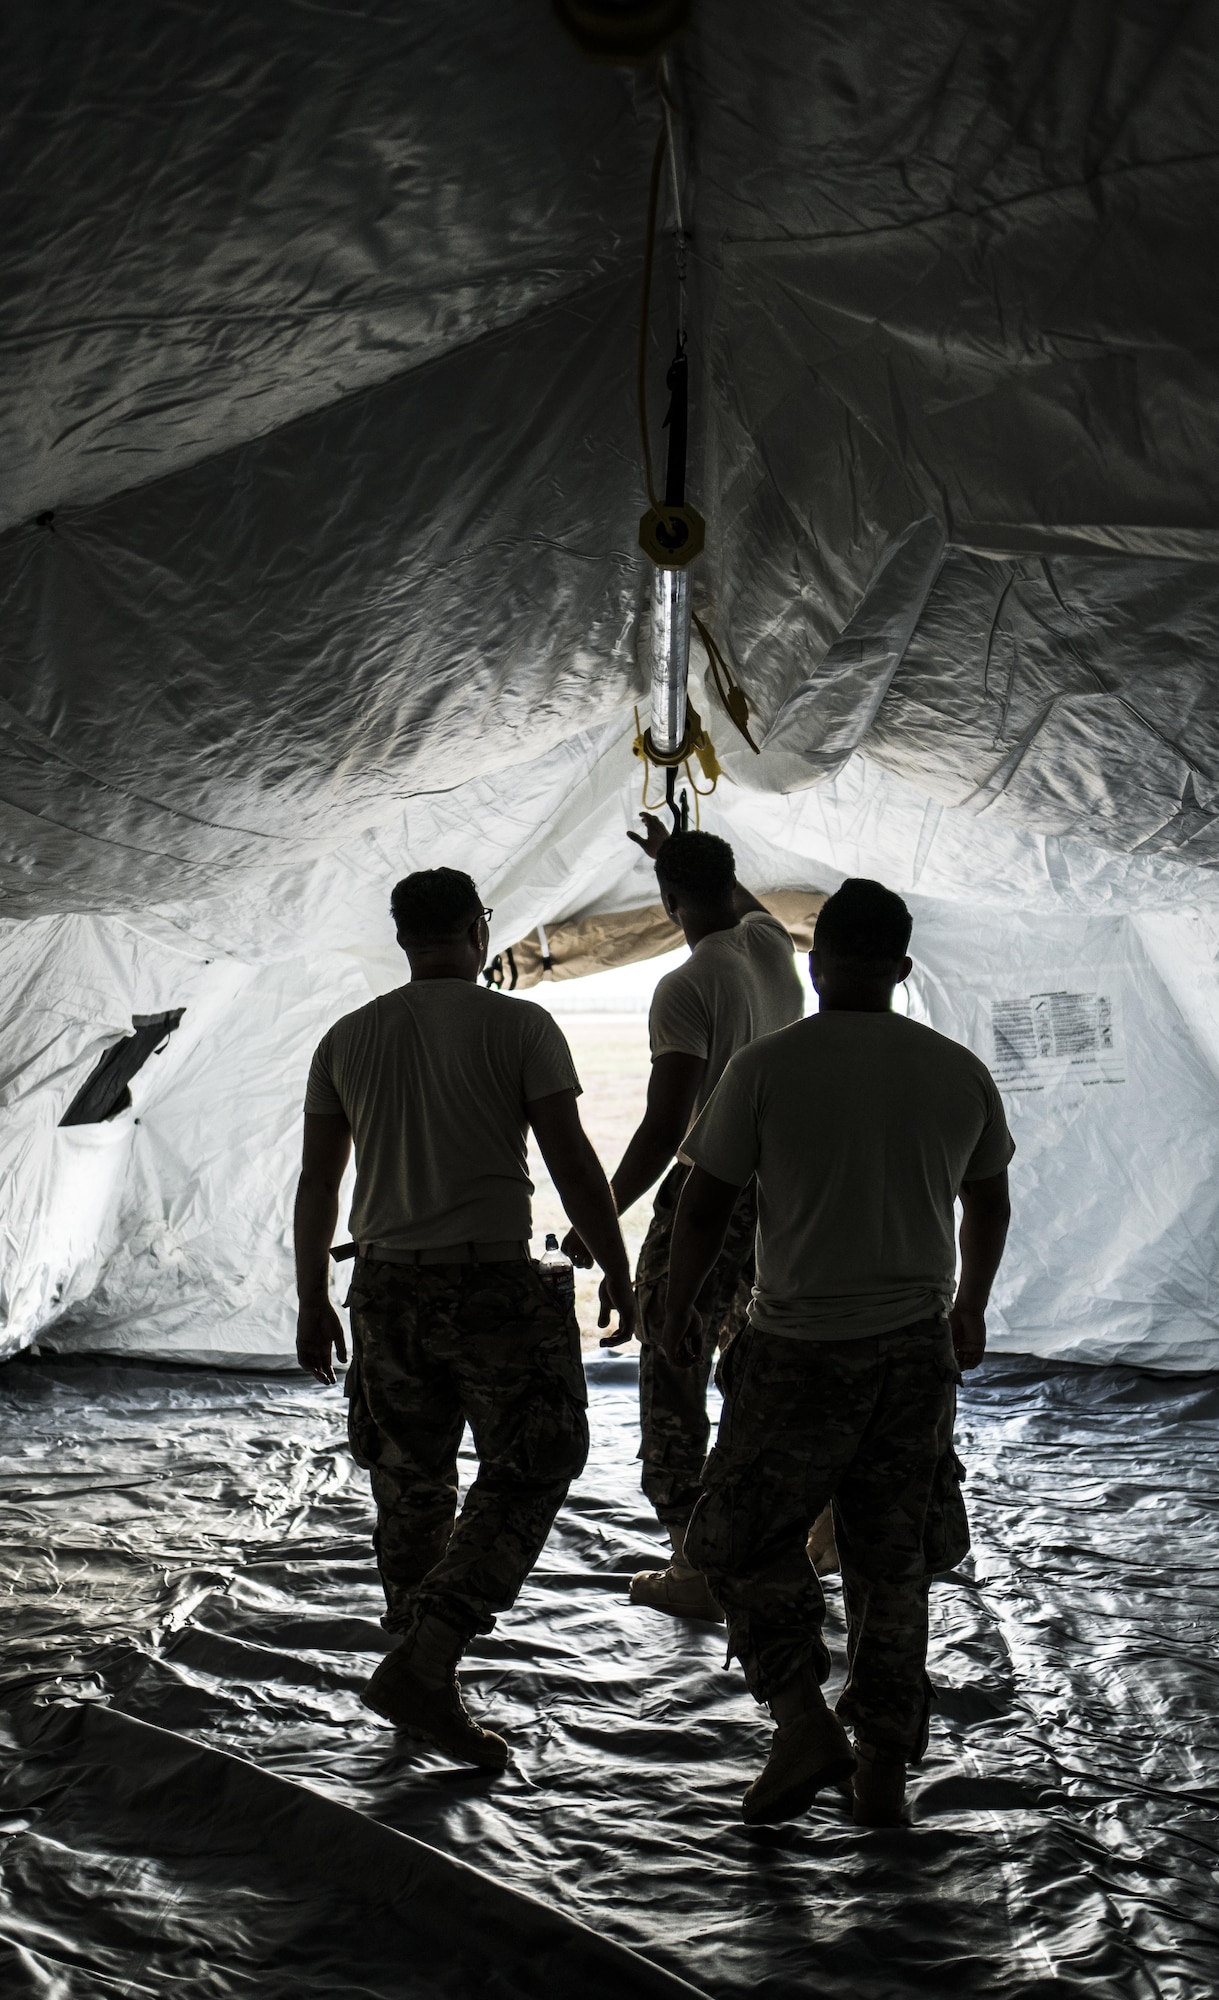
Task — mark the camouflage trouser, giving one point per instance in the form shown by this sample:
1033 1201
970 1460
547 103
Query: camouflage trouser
437 1346
673 1401
868 1423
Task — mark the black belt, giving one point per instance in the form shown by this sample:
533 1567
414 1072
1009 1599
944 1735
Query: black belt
507 1252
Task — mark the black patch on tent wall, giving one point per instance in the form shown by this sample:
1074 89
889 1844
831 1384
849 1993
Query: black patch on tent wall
631 32
501 971
105 1091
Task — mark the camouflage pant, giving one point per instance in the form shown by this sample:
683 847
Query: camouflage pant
437 1346
868 1423
673 1401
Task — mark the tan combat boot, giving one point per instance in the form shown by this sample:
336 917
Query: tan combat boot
880 1787
415 1688
681 1590
821 1546
809 1750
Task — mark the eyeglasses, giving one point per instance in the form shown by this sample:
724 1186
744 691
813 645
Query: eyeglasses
487 916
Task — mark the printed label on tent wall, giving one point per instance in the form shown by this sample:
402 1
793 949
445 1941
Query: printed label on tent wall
1064 1035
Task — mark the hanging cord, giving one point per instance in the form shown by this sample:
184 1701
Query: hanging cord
680 239
701 792
666 142
733 696
649 253
640 749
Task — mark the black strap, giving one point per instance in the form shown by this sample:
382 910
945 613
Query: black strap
343 1251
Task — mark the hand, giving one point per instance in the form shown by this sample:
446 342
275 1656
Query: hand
319 1330
968 1327
574 1246
654 839
682 1339
624 1307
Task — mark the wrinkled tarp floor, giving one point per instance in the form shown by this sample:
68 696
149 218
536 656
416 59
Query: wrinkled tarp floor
192 1607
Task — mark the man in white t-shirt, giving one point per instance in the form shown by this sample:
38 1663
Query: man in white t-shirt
739 982
863 1129
437 1084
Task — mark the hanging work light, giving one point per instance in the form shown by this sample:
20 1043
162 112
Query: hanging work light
671 535
670 659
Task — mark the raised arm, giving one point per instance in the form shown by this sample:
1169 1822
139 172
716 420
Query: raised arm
319 1330
653 838
985 1213
585 1194
672 1092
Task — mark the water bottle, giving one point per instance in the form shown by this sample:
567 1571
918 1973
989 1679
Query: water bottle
557 1268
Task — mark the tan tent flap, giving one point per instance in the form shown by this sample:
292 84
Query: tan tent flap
580 945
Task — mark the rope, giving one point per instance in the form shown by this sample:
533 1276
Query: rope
696 743
639 747
733 696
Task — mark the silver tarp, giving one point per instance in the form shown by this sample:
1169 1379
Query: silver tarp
319 449
190 1581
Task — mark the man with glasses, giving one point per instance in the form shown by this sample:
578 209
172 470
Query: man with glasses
436 1083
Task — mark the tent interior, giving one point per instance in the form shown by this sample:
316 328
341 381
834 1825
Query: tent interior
320 561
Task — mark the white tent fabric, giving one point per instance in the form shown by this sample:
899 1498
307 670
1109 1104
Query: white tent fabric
320 482
184 1250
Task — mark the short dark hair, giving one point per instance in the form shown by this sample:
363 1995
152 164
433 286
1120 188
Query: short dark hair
863 920
435 905
697 868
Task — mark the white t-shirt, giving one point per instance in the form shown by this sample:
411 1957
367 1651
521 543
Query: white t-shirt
735 985
860 1129
433 1080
